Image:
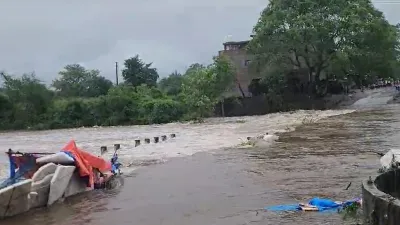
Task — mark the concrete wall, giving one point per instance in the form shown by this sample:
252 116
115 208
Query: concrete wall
259 105
240 59
379 205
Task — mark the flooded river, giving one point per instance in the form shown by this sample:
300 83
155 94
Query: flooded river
200 178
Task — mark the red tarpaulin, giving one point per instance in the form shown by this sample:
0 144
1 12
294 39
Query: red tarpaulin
86 162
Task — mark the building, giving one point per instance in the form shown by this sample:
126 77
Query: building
240 58
236 52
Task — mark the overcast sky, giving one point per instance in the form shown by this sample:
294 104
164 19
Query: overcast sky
45 35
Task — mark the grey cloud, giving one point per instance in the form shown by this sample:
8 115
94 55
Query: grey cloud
45 35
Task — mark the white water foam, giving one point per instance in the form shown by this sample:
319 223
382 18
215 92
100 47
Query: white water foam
214 134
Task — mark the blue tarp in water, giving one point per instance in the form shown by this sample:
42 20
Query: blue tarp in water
320 203
17 172
292 207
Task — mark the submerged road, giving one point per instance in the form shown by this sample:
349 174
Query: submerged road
215 183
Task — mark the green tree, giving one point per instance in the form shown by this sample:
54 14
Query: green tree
319 35
374 55
27 103
76 81
6 110
203 86
172 85
143 105
137 72
29 99
194 67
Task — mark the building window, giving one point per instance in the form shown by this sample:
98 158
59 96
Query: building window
231 47
247 62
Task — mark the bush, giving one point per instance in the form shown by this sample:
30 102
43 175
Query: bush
162 110
67 113
121 106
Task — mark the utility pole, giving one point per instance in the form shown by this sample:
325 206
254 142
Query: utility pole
116 72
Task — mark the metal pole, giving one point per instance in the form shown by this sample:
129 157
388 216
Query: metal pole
223 107
116 72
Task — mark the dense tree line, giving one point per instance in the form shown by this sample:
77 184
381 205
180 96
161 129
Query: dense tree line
299 47
82 97
308 46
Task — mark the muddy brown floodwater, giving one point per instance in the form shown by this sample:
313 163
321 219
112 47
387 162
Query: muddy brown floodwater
229 186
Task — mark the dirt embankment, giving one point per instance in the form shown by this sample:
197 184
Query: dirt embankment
260 105
343 100
377 96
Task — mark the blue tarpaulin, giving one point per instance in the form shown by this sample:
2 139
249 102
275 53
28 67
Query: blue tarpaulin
319 203
17 172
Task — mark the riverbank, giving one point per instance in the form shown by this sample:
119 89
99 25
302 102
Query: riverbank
344 100
340 101
261 104
82 114
330 102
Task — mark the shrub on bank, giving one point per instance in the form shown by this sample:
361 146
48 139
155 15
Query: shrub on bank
121 106
162 111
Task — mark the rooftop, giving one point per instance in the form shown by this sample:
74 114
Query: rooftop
236 43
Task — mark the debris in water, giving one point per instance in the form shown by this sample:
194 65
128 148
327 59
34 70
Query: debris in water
316 204
390 160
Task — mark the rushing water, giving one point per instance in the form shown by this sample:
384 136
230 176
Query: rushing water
222 184
191 138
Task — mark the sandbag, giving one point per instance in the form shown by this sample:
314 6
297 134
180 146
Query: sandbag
59 183
57 158
43 171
